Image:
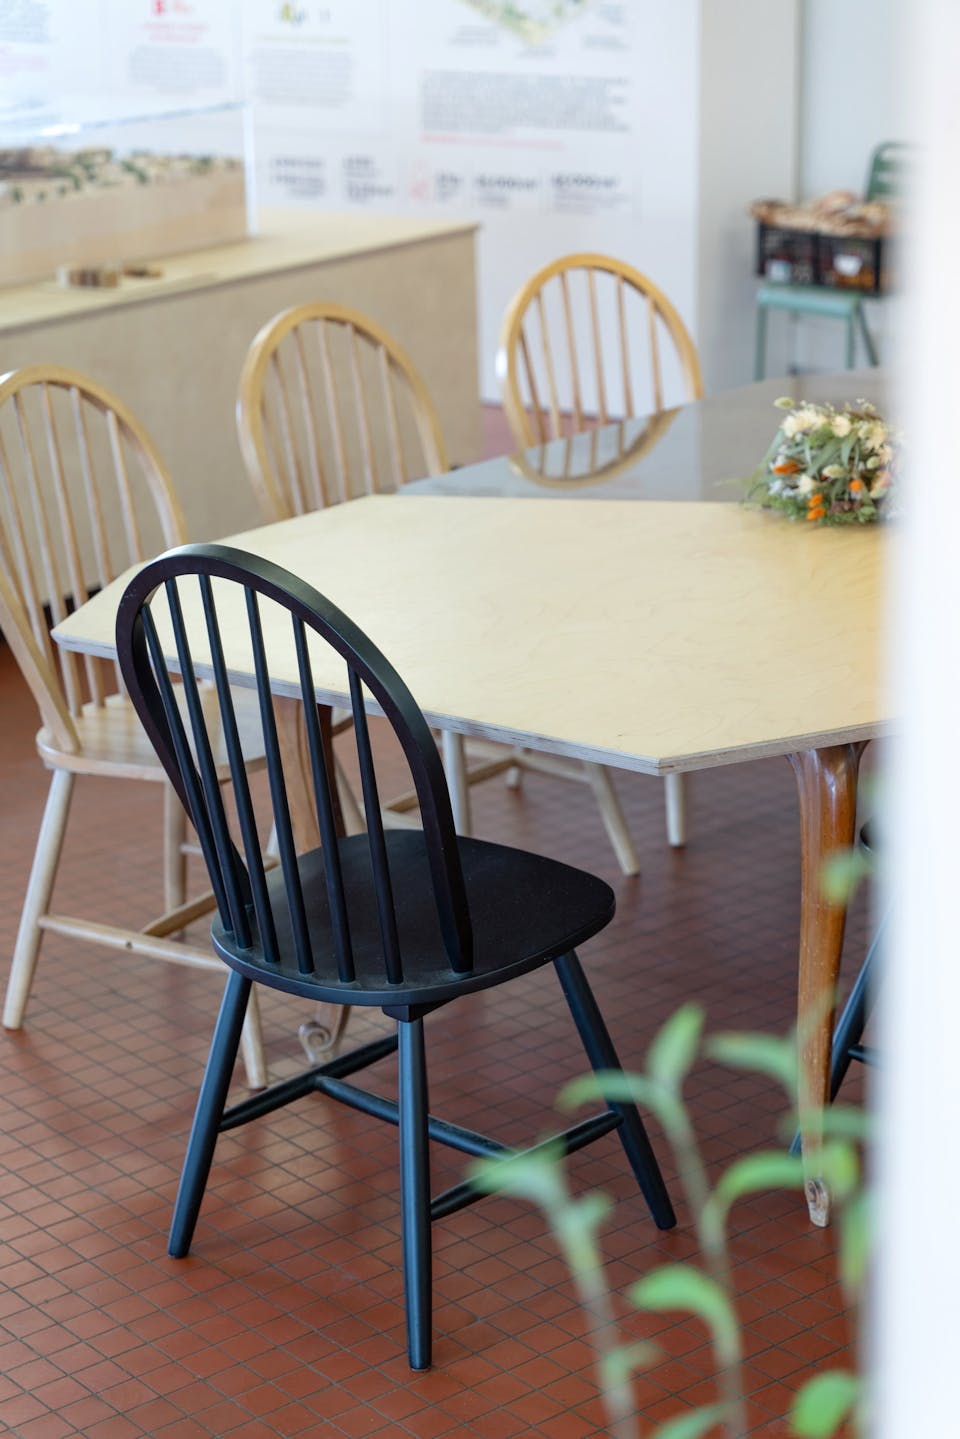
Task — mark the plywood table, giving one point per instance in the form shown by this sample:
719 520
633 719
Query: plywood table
659 637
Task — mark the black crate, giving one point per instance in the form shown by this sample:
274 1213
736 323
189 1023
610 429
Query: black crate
787 257
847 262
806 257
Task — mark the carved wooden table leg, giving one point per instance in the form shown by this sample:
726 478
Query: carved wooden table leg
827 788
321 1034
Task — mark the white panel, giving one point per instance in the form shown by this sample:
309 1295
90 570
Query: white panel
915 1319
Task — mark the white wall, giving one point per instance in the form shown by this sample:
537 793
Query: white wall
852 92
749 95
852 97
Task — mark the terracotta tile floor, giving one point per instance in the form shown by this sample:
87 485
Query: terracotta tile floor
287 1318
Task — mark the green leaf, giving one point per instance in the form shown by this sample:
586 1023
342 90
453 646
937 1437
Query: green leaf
828 454
692 1425
535 1175
843 1121
770 1169
576 1223
856 1242
681 1286
822 1404
841 874
610 1085
840 1167
761 1053
617 1364
674 1048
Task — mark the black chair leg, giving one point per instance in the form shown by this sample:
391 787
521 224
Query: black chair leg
852 1022
602 1055
415 1192
856 1012
206 1120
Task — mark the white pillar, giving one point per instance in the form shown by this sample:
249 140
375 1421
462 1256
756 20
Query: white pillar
917 1314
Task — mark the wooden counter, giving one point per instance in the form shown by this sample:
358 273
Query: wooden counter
173 347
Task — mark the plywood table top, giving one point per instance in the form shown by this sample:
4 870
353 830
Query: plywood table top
655 636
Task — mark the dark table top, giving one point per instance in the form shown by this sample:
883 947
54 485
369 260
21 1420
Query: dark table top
698 451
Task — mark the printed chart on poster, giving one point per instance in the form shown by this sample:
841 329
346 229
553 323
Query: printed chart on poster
473 105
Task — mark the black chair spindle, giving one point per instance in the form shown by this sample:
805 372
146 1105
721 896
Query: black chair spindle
278 794
323 798
386 910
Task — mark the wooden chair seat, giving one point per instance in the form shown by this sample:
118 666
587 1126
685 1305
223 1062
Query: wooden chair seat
112 740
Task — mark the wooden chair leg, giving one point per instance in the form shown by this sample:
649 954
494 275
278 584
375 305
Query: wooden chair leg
206 1120
37 900
353 820
675 803
455 768
251 1041
174 859
612 816
602 1056
856 1012
415 1192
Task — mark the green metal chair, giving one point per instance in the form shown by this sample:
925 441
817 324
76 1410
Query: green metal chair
884 179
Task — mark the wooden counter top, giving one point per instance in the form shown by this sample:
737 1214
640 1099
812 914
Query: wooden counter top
286 240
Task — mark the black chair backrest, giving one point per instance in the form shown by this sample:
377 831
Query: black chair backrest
197 610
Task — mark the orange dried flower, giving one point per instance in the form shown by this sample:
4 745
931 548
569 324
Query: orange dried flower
789 467
855 486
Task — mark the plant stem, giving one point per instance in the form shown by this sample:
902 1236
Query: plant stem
585 1263
712 1242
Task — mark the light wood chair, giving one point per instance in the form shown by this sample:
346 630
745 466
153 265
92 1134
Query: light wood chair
551 362
83 496
552 366
331 407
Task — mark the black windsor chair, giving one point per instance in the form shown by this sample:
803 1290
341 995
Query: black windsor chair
404 920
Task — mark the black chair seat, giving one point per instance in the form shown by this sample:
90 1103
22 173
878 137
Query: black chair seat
526 910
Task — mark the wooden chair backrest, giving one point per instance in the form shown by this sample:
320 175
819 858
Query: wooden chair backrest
171 621
83 496
330 407
550 363
593 457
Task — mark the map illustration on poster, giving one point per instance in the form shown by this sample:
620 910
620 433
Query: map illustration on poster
450 105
